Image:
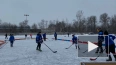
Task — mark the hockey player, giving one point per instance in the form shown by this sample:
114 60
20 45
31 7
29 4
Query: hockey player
109 45
55 35
100 40
11 39
25 36
75 41
6 36
39 41
44 36
31 36
68 34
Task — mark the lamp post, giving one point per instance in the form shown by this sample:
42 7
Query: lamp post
26 19
26 16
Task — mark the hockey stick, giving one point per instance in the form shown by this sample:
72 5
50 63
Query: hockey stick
92 59
69 46
51 49
85 51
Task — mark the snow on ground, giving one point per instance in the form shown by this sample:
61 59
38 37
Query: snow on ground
24 53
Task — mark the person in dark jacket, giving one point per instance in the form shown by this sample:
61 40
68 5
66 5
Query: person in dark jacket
100 40
39 41
44 36
109 45
68 34
11 39
25 36
55 35
6 36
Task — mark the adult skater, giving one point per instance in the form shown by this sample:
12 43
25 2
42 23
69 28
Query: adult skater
44 36
11 39
39 41
25 36
55 35
109 45
6 36
68 34
75 41
100 40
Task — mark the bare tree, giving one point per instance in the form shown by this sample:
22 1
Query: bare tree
104 19
34 27
42 24
91 23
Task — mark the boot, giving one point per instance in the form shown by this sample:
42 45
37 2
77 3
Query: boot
101 52
115 57
96 52
37 48
110 59
76 47
40 50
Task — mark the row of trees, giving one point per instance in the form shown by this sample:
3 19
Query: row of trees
80 25
85 25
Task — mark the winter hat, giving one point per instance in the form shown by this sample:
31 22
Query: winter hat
106 32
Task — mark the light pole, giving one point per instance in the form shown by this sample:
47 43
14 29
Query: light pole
26 19
26 16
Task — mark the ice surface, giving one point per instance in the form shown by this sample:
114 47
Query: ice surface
24 52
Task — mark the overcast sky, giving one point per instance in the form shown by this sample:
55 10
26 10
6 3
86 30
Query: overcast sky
13 10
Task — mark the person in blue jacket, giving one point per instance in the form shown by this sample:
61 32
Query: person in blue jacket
75 41
39 41
109 45
100 40
44 36
55 35
11 39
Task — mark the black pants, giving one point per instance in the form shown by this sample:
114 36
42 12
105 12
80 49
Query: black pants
11 43
25 36
44 39
38 46
56 38
99 46
110 48
6 37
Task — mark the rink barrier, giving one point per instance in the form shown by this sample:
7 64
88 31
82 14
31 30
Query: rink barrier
25 38
98 63
20 39
1 42
83 42
35 38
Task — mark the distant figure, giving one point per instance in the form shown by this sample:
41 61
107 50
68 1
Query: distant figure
68 34
11 39
39 41
25 36
55 35
44 36
100 40
31 36
6 36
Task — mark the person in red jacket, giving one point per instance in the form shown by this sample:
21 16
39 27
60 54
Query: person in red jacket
31 36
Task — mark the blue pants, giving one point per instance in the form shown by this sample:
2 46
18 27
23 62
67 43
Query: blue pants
11 43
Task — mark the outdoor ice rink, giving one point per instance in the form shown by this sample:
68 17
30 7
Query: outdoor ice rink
24 52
